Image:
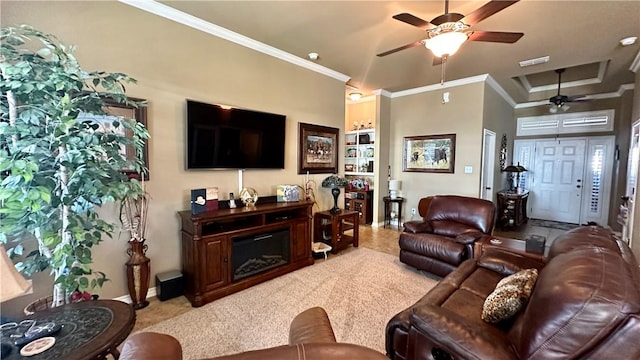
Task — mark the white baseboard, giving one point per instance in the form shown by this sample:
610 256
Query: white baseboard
127 298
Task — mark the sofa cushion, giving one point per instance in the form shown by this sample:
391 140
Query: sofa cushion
583 295
436 246
509 297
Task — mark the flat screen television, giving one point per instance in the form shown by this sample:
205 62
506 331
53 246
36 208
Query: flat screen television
219 137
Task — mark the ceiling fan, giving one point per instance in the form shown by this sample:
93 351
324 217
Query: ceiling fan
560 101
450 30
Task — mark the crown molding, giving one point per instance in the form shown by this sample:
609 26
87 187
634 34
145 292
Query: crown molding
383 92
183 18
500 90
445 85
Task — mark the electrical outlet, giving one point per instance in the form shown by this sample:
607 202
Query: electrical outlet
413 211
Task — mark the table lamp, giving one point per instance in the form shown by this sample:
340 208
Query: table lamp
517 169
394 186
335 183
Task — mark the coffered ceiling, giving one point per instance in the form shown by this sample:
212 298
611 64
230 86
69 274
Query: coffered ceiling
581 36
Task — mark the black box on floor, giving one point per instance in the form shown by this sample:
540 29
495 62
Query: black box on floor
535 244
169 285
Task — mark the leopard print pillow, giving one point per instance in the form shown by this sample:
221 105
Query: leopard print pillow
509 297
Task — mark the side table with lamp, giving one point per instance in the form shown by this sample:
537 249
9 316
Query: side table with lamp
331 226
512 203
389 213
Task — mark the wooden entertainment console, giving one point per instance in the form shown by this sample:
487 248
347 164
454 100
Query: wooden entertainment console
207 242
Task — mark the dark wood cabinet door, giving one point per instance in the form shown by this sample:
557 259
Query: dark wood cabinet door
300 244
216 262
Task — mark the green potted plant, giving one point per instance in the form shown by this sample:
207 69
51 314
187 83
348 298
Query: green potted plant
56 165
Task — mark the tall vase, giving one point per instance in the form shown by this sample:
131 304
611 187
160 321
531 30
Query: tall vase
138 271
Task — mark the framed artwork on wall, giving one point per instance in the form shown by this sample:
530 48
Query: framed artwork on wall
116 111
429 153
318 149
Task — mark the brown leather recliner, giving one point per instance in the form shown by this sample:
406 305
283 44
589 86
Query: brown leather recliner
310 337
445 236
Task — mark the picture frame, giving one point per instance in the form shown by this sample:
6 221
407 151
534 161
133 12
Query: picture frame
429 153
115 111
317 149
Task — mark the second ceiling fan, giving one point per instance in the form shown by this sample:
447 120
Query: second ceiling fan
449 30
560 101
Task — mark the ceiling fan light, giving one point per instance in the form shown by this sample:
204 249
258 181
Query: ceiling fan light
445 44
553 109
565 107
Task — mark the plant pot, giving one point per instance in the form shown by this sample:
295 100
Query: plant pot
138 272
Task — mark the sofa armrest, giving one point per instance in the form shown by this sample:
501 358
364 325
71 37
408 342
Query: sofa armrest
311 326
418 227
437 330
316 351
151 346
469 238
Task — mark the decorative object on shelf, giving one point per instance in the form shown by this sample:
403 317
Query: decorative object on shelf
503 152
249 196
358 184
429 153
334 182
318 149
369 125
287 193
515 169
12 284
133 215
212 198
394 187
198 201
232 201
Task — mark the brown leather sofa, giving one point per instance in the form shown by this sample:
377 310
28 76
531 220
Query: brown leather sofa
310 337
445 236
585 304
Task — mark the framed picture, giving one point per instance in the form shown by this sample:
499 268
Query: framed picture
429 153
318 149
114 112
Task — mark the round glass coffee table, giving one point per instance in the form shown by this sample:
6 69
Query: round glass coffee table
90 330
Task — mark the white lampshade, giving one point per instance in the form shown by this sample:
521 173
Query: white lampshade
12 284
446 43
394 186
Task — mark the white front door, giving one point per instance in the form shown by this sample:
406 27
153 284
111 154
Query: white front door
558 180
488 165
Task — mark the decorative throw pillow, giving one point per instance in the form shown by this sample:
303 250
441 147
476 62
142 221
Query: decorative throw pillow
509 296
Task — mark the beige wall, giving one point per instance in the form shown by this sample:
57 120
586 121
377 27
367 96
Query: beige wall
498 117
172 63
425 114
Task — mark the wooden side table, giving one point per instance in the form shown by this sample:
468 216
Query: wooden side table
512 208
90 330
337 224
387 210
513 245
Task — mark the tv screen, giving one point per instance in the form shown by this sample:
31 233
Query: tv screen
229 138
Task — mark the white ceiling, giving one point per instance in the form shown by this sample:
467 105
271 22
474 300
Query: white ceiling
582 36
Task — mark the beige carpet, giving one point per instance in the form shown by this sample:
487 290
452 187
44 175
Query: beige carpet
360 289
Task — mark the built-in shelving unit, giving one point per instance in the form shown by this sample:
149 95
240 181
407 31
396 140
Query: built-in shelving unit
359 152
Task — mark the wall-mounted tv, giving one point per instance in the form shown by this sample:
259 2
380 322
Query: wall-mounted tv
219 137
